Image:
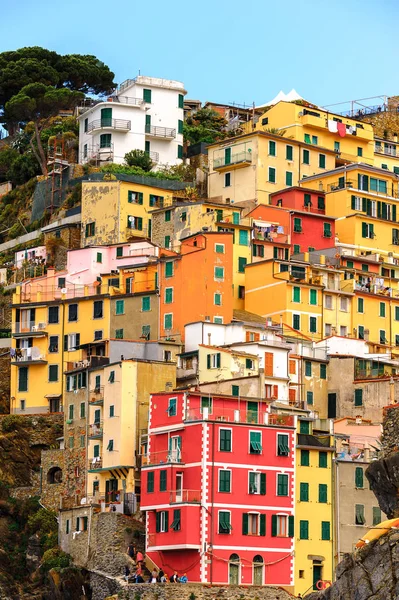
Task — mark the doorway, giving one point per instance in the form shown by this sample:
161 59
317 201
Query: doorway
317 573
258 570
234 569
332 406
179 487
111 490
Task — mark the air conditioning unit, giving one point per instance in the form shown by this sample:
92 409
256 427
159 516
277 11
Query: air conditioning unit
76 365
358 420
85 363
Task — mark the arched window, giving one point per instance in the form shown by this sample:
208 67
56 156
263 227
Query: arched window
258 570
54 475
234 569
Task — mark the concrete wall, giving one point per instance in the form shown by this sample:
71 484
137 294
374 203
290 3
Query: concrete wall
140 349
134 318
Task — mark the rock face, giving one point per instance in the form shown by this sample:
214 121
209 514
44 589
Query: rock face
371 573
383 476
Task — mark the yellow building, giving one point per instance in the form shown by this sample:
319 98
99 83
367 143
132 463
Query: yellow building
386 154
172 224
215 363
49 323
314 510
118 420
117 209
320 129
252 166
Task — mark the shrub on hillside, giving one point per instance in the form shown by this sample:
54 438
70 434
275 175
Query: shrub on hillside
13 422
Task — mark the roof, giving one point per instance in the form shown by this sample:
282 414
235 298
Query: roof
164 184
248 317
224 349
299 188
351 167
273 136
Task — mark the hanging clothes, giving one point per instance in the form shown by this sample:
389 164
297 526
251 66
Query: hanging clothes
351 129
332 126
341 129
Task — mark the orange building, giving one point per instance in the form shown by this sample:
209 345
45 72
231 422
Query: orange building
196 285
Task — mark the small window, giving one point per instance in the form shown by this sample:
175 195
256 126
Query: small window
359 514
53 314
163 480
272 175
359 478
241 264
323 461
305 458
82 410
206 402
358 397
224 480
227 179
323 491
225 440
145 303
168 321
224 525
309 398
282 484
304 492
53 373
322 161
147 96
181 101
168 295
119 252
168 215
217 299
120 307
219 272
303 530
112 410
376 515
219 248
110 446
235 391
99 258
308 368
150 481
169 269
255 442
98 309
283 448
306 157
90 229
111 378
72 312
176 523
325 530
172 407
323 371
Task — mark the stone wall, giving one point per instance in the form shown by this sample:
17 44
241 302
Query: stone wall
103 588
5 379
52 488
390 435
75 447
57 247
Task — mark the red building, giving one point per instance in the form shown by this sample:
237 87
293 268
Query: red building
309 227
218 489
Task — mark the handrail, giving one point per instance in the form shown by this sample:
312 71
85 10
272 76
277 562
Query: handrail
239 157
160 131
109 123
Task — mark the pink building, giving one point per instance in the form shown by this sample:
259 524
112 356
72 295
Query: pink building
218 489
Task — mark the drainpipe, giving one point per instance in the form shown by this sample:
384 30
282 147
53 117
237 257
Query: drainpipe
62 356
87 431
212 499
337 524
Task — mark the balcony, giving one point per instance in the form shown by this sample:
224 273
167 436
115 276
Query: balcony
160 132
23 328
236 161
312 118
318 441
94 463
96 396
385 150
96 431
381 371
118 124
229 415
185 496
163 457
340 185
29 355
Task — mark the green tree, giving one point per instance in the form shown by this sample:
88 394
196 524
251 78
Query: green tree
205 125
138 158
38 103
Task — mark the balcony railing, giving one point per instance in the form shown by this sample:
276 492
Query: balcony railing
163 132
382 150
154 156
121 124
96 431
340 185
177 496
29 327
235 159
95 463
96 396
162 457
376 373
29 355
259 417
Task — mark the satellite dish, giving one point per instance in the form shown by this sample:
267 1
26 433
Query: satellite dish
64 291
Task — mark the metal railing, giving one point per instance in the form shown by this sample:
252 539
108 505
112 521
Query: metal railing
96 395
230 415
340 185
240 157
109 124
388 151
28 327
162 457
177 496
29 355
165 132
154 156
96 430
95 463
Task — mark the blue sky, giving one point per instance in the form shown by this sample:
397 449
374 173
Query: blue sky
225 51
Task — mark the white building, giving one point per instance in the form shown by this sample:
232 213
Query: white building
145 113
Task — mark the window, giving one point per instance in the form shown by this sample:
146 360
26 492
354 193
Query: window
296 294
296 322
327 230
119 334
249 363
179 126
303 530
98 309
218 320
288 178
337 147
53 373
168 295
313 297
72 312
306 138
376 515
344 304
172 407
395 237
272 175
213 361
105 140
255 442
241 264
181 101
147 96
110 446
176 523
297 225
236 219
167 215
145 303
119 252
383 339
323 493
217 299
282 526
359 478
98 334
343 331
112 410
224 525
360 305
282 484
272 148
304 492
23 379
168 321
134 198
327 329
53 314
283 448
53 343
306 157
367 230
304 427
308 368
292 367
323 460
313 324
305 458
162 480
360 332
224 480
206 402
111 378
315 140
289 150
227 179
325 530
309 397
320 203
360 151
322 161
219 272
359 514
297 249
378 185
167 242
120 307
161 521
243 237
358 397
219 248
253 524
235 391
257 483
260 250
225 440
382 309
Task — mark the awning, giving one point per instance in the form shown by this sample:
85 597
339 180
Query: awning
120 472
50 396
95 343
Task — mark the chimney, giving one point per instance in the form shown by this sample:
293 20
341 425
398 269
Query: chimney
209 339
322 259
306 256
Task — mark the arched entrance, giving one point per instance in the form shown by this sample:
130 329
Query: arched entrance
54 475
234 569
258 570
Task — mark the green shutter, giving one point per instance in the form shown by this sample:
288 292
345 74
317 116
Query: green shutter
262 490
359 397
323 460
218 360
308 368
296 322
274 525
288 152
304 530
322 492
208 361
365 230
244 524
157 522
181 101
262 525
322 161
325 530
147 96
272 175
150 481
304 492
359 479
305 458
323 371
313 297
291 526
297 293
162 480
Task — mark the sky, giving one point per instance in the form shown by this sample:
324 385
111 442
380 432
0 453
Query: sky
330 51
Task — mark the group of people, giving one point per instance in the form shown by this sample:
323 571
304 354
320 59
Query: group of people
155 577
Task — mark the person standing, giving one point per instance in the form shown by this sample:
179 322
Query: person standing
174 578
131 550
